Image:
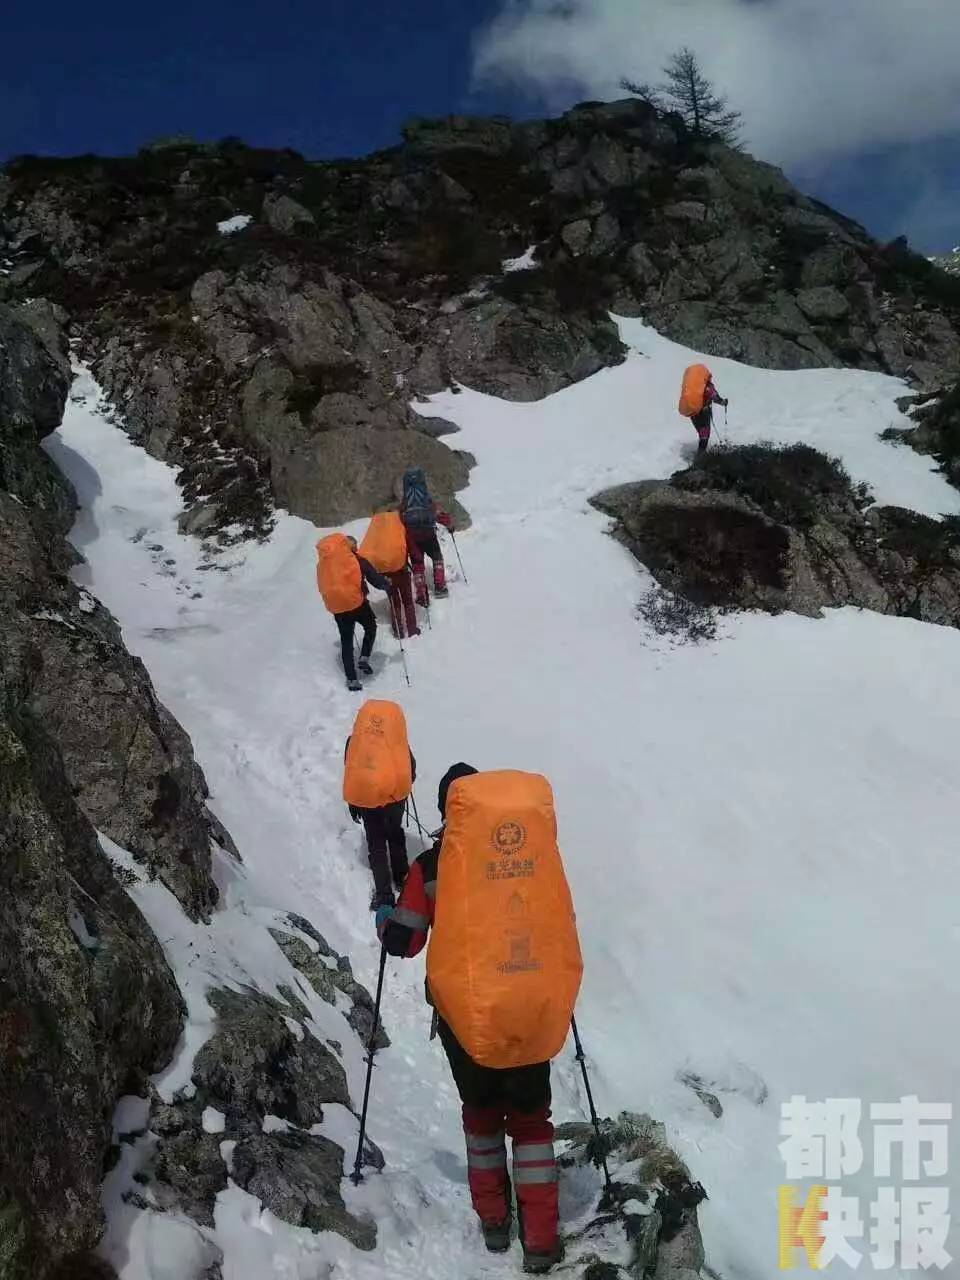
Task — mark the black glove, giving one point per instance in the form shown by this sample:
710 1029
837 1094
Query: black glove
354 812
725 403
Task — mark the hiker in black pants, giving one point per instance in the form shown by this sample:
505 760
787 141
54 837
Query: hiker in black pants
386 843
364 615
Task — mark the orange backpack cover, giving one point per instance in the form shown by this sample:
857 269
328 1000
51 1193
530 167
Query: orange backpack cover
377 770
385 542
339 576
693 393
504 964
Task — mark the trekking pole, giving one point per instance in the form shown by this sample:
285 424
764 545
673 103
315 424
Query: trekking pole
396 624
457 550
357 1177
600 1158
416 817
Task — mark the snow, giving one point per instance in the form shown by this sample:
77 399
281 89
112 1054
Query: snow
526 262
213 1121
760 833
230 226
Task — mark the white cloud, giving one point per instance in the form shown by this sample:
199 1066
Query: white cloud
814 78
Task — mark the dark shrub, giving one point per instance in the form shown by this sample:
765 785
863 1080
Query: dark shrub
900 270
932 543
713 554
789 483
669 614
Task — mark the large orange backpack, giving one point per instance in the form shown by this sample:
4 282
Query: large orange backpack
339 576
504 963
377 770
385 542
693 394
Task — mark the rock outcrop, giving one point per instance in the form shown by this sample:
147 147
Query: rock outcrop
268 1078
130 764
88 1005
645 1226
937 433
760 527
277 362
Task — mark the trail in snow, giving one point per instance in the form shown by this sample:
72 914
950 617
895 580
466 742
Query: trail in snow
759 834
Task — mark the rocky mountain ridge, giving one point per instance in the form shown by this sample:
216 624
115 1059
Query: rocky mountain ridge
264 321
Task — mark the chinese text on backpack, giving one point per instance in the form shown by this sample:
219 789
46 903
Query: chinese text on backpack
504 963
385 542
417 503
693 395
377 770
339 577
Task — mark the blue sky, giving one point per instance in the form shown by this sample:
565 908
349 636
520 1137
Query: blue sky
337 78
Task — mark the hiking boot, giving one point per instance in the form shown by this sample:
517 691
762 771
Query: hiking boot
364 666
538 1264
441 592
496 1235
354 685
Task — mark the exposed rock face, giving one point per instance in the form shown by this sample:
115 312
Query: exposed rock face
267 1074
250 359
129 762
329 973
649 1212
775 529
87 1003
297 1176
937 433
231 1071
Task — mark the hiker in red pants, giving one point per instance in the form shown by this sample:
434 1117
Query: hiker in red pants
420 515
402 608
497 1102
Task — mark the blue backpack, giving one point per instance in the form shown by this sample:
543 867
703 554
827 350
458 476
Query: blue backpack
417 507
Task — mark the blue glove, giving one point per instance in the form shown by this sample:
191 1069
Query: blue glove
383 915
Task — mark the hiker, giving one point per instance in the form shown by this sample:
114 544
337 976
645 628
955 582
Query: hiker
420 515
697 398
378 776
342 579
504 1015
385 546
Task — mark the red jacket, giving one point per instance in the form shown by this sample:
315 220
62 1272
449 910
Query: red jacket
405 933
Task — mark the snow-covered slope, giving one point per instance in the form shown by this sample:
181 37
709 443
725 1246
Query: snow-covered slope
760 834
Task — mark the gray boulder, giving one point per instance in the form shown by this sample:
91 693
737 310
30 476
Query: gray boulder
825 302
286 215
761 527
297 1176
523 352
328 974
255 1064
349 472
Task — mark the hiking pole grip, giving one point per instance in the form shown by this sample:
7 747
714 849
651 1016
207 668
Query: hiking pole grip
357 1177
594 1119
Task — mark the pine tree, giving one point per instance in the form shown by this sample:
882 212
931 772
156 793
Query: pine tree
687 91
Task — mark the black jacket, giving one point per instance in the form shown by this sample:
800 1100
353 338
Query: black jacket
372 577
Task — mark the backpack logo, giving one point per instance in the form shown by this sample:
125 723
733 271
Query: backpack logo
509 837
